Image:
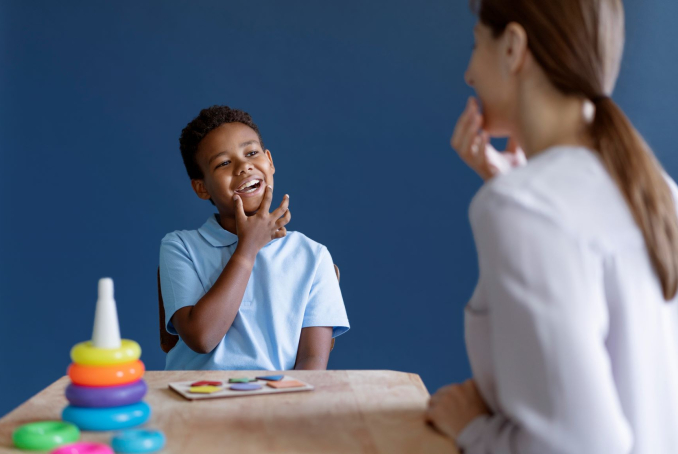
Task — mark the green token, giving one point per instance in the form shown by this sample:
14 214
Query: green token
241 380
44 435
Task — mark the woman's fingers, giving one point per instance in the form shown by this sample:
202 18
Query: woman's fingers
461 125
284 205
469 148
485 167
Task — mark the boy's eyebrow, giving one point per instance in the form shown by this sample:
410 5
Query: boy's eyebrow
249 142
216 156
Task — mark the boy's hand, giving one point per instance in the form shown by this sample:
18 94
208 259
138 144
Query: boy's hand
473 145
255 232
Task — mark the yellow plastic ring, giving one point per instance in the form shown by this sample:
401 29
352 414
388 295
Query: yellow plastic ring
86 354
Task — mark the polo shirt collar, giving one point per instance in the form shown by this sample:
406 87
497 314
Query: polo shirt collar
215 234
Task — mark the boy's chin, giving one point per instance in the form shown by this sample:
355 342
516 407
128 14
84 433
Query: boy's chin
251 206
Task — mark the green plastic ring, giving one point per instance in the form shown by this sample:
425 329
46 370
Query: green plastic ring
44 435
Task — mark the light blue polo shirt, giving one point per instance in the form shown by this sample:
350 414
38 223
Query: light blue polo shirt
293 286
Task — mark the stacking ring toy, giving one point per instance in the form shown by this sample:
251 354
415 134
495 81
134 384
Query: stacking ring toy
84 448
113 418
120 374
106 396
86 354
138 441
43 435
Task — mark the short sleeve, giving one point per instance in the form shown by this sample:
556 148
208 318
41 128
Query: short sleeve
325 306
179 281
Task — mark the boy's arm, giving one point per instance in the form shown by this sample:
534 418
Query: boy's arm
204 325
197 325
315 344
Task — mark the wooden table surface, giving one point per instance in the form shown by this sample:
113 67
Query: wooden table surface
348 412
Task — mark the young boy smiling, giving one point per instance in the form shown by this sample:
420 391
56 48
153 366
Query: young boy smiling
242 292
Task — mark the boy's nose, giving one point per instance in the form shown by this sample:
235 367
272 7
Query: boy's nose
243 167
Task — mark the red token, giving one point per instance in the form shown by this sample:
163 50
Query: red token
207 383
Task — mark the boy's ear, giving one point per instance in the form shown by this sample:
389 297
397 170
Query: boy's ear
199 188
270 158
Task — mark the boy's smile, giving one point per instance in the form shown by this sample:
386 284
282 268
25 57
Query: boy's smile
233 162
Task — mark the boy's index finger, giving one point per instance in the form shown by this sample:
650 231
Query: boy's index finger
239 209
282 209
266 203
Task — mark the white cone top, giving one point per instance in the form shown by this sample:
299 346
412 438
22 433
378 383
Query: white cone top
106 332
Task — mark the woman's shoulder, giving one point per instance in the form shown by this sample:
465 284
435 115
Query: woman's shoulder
567 185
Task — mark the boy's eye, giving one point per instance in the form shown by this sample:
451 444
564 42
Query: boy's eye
225 163
252 153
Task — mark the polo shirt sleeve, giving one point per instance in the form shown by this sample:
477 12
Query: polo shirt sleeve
179 281
325 306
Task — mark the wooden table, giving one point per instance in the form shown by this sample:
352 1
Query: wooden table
348 412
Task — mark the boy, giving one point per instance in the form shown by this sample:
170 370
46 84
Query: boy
242 292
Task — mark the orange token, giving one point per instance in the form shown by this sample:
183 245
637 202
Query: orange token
119 374
286 384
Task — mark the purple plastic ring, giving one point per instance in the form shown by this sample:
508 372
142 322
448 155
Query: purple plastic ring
106 396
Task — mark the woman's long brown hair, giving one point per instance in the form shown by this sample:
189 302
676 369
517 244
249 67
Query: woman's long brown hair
579 43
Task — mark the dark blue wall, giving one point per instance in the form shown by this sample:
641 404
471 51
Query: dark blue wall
356 100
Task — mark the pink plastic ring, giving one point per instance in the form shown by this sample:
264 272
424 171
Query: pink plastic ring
84 448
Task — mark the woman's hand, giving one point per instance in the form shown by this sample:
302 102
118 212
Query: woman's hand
453 407
473 145
255 232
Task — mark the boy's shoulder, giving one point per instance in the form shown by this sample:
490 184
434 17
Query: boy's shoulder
292 241
298 241
182 236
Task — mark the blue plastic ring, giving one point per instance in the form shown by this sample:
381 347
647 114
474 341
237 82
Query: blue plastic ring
114 418
106 396
138 441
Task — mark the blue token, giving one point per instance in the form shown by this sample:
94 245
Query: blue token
113 418
245 387
138 441
271 377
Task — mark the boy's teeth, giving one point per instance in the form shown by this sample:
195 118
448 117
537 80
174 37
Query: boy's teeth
248 184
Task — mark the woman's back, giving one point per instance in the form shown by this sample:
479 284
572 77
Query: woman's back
568 332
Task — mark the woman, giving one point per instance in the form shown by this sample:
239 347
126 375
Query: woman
572 331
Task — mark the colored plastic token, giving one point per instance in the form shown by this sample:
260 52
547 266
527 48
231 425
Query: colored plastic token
245 387
106 396
44 435
113 418
207 383
120 374
87 354
271 377
84 448
204 389
286 384
241 380
138 441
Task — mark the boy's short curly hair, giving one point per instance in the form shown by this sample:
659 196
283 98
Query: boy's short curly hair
208 120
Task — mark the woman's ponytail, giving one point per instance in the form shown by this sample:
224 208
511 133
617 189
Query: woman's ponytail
631 163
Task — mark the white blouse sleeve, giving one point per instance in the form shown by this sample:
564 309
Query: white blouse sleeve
548 322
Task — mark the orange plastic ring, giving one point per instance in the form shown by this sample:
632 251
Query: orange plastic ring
120 374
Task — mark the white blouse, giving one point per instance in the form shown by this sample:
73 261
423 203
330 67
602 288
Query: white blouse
570 340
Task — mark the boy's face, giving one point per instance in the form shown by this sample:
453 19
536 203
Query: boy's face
233 162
